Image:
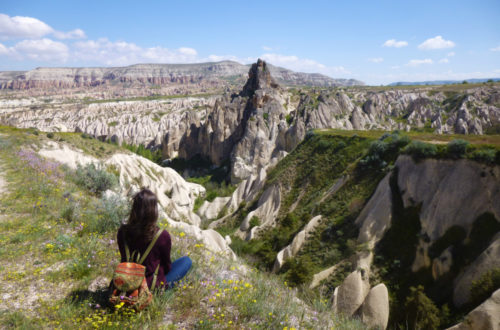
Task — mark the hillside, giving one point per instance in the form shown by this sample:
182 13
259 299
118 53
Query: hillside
150 75
365 211
59 251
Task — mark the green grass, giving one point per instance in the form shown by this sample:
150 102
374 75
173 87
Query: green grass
493 140
305 176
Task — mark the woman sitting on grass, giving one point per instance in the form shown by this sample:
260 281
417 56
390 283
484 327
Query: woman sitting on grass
140 230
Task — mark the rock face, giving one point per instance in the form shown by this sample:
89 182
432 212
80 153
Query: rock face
244 128
374 312
351 294
375 218
489 259
436 187
266 212
355 298
485 317
246 192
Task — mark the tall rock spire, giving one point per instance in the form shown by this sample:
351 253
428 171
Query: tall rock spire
259 77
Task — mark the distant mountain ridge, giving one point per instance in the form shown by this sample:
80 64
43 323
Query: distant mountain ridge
157 74
442 82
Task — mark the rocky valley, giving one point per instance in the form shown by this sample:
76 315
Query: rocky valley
382 201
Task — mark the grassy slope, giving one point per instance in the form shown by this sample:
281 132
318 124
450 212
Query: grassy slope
307 173
305 176
50 256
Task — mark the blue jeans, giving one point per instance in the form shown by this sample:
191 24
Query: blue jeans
179 269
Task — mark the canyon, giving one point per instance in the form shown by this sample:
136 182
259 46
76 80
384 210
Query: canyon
324 172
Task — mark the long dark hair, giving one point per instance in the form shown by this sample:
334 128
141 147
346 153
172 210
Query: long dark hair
141 225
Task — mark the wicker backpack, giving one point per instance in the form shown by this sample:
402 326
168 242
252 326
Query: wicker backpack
129 280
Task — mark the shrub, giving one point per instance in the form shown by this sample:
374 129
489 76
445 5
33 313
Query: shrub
290 220
107 215
397 141
484 286
420 150
457 148
254 221
298 271
50 135
86 136
484 156
324 145
94 178
421 313
309 134
374 159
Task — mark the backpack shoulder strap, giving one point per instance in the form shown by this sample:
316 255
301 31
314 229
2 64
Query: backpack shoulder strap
150 246
127 252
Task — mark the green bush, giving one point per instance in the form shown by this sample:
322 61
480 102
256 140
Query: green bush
298 271
484 286
396 141
374 159
420 150
94 178
107 214
421 313
457 148
290 220
254 221
50 135
484 156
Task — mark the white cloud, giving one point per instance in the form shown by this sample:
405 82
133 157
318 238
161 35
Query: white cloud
450 54
395 67
444 60
188 51
73 34
436 43
40 50
419 62
496 49
118 53
267 48
22 27
394 43
376 59
4 50
295 63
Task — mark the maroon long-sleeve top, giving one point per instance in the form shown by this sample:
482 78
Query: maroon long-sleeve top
159 255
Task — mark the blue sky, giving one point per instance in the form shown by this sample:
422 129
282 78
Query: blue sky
375 41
